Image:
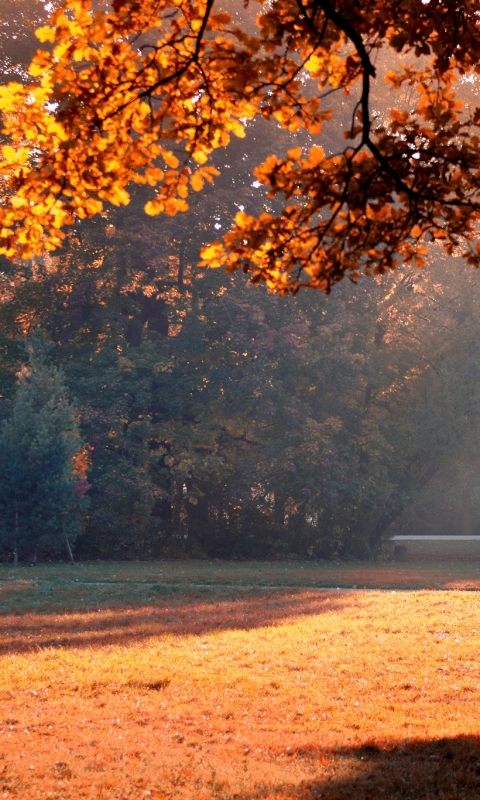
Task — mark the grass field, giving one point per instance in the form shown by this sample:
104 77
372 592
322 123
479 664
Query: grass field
220 681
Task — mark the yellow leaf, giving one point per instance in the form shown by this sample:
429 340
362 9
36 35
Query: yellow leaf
153 175
93 206
294 154
199 156
209 173
9 153
212 255
119 197
317 154
173 205
242 219
56 129
197 182
170 160
18 202
154 207
313 64
46 34
35 70
237 129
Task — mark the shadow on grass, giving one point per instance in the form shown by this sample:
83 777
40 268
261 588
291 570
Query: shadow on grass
21 633
448 769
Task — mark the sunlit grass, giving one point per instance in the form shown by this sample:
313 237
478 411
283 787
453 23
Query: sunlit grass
284 693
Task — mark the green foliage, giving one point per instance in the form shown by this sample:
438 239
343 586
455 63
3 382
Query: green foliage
251 425
42 494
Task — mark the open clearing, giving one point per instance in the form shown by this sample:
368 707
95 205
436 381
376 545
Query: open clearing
200 680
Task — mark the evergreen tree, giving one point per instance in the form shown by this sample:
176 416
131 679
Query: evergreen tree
42 478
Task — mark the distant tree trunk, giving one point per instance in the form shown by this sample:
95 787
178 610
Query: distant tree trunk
69 549
15 540
177 508
197 514
279 509
384 523
181 266
467 484
134 332
368 394
163 509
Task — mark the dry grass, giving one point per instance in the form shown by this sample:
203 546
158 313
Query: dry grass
284 693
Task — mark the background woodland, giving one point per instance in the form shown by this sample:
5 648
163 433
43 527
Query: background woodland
219 420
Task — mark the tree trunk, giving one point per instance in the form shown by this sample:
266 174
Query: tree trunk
198 517
181 266
69 549
177 508
15 541
467 523
279 509
385 522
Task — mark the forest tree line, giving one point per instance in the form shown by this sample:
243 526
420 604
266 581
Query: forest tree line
204 417
222 421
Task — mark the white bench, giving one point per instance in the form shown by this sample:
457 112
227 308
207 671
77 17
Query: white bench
436 548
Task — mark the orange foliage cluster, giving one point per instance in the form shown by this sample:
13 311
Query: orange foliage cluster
314 694
81 462
146 92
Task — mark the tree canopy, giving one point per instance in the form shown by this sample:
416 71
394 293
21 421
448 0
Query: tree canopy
220 420
42 461
145 90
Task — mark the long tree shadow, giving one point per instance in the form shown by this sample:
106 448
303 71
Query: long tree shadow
447 769
21 633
